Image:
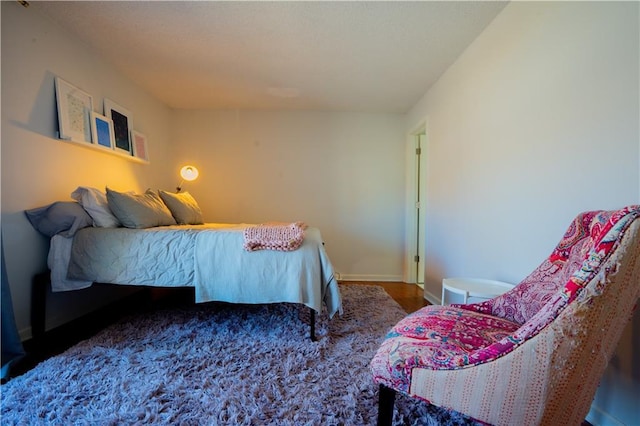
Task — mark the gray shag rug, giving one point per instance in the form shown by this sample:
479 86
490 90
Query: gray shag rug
219 364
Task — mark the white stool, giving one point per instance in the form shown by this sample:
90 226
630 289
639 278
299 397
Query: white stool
474 287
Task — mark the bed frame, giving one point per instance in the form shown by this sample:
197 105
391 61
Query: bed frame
42 282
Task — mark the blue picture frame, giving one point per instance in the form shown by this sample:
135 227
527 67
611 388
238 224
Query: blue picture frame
102 133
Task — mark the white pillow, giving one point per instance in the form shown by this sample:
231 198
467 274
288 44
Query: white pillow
95 203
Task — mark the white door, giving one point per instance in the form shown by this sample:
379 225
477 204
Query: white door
416 189
421 144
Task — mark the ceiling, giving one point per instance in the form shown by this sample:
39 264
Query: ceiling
379 56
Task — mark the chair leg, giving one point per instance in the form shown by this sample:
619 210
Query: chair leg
386 401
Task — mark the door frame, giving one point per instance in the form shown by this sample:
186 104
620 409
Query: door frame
411 187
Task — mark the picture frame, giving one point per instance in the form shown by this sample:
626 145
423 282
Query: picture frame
122 125
140 148
102 133
74 108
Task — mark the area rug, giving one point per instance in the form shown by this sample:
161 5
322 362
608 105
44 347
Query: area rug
219 364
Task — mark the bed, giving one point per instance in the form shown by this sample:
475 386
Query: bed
213 258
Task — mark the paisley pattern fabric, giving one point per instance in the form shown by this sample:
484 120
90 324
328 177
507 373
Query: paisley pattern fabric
438 337
577 231
607 229
586 234
459 336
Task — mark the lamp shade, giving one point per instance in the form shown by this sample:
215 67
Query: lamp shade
189 173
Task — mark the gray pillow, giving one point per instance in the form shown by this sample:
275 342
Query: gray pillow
183 206
139 210
61 217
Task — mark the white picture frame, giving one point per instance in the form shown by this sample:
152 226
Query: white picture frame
122 125
139 144
102 134
74 108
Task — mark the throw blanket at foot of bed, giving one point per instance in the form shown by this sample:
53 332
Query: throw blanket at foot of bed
234 275
274 236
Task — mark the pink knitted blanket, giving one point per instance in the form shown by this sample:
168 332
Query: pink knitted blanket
274 236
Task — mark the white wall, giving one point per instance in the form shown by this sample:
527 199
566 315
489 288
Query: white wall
340 172
38 169
537 121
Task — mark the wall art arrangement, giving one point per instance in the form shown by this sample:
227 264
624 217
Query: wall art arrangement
113 131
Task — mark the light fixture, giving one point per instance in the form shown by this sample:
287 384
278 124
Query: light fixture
187 173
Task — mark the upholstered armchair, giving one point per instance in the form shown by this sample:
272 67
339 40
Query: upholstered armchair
535 354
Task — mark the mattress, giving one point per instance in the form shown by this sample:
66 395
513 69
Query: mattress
209 257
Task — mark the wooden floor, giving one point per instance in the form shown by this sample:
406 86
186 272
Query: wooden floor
409 296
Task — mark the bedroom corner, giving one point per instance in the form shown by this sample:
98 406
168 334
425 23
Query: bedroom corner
38 168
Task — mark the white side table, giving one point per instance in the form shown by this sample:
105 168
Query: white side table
474 287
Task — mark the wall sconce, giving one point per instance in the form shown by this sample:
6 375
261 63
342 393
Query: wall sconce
188 173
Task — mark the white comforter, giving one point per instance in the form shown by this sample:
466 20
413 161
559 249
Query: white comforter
208 257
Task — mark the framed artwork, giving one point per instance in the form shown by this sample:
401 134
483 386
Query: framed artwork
102 131
74 107
139 142
122 125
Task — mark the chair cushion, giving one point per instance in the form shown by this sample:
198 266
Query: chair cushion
438 338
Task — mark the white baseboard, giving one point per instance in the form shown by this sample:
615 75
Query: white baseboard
50 324
616 400
25 333
598 417
62 308
356 277
432 298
